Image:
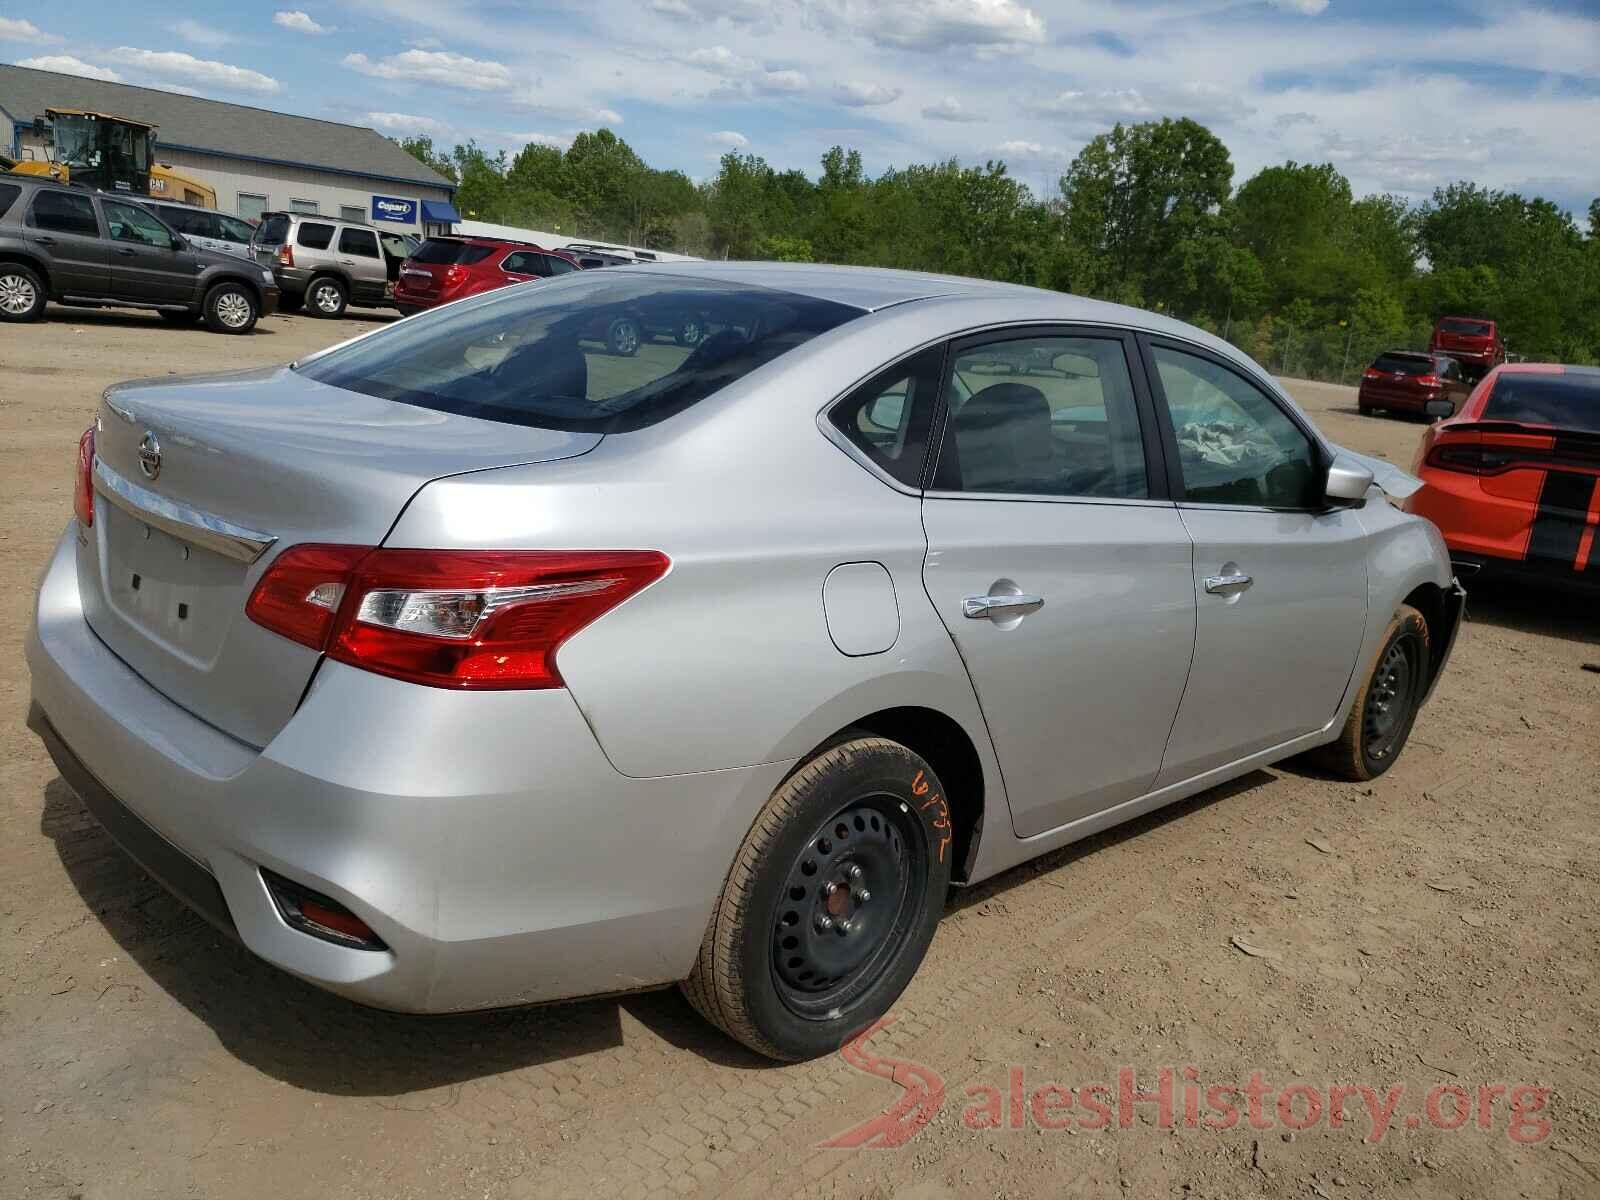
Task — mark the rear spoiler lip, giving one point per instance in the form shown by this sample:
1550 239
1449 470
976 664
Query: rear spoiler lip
1493 426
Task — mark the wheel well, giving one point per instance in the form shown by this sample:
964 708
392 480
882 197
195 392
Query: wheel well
1428 599
32 264
254 288
951 754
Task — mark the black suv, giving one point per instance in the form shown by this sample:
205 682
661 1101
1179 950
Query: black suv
93 249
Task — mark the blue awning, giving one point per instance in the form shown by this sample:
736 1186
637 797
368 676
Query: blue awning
441 211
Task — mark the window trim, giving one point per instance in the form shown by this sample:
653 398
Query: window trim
344 231
266 205
839 438
314 211
510 254
1148 342
1157 483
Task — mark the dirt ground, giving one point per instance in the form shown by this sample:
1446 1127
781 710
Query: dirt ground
1438 927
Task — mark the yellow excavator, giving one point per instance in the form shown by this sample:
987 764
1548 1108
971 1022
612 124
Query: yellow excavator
115 154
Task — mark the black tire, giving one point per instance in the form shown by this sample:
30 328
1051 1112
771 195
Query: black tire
1385 707
623 337
22 293
231 307
326 297
855 844
690 331
180 318
291 302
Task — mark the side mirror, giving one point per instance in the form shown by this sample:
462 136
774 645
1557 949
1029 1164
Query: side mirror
1347 482
1439 408
178 242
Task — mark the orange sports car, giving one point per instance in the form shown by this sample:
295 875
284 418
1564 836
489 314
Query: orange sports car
1513 479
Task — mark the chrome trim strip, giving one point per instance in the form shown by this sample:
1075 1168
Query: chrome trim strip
187 524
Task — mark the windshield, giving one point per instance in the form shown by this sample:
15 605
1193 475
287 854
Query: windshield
1567 401
444 252
87 142
587 352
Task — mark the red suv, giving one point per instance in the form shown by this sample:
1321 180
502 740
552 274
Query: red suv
1471 341
447 268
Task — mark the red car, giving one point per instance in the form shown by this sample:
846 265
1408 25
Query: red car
1513 480
1405 380
447 268
1474 342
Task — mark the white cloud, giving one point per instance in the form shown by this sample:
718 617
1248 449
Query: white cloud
299 21
437 67
403 123
783 81
1309 8
936 24
14 29
175 64
733 12
949 109
1020 149
536 101
553 140
67 65
730 138
865 95
202 35
719 58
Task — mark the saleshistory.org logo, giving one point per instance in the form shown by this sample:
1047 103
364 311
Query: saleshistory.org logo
1179 1099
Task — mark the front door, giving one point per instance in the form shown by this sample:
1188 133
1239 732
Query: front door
63 225
1280 578
148 263
1059 568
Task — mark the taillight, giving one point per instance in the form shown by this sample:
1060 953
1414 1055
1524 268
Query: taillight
1430 381
1471 459
83 480
475 619
286 255
1372 373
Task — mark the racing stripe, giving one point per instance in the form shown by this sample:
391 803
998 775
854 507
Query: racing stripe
1559 521
1587 558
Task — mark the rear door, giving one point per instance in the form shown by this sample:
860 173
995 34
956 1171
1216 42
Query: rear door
1280 579
523 265
147 262
64 227
1059 566
360 256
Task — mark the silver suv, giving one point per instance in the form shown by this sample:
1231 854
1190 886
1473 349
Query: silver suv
323 264
205 227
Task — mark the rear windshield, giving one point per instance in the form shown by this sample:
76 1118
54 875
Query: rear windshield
442 252
558 356
272 231
1404 364
1470 328
1569 401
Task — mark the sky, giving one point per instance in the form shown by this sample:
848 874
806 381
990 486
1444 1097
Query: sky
1400 97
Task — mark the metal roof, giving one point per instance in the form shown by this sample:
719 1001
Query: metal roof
217 127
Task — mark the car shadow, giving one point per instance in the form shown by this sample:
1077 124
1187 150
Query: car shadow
1534 607
128 318
315 1040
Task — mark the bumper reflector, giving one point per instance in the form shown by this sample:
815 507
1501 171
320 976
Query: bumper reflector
319 916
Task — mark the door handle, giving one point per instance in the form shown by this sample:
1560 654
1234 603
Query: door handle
1001 607
124 252
1228 585
45 241
348 262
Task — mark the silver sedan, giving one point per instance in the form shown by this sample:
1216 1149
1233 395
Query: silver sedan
470 663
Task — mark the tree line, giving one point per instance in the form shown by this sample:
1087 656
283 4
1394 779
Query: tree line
1291 265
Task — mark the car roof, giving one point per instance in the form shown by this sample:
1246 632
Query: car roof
1427 354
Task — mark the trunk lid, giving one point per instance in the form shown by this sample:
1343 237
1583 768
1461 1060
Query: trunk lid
262 456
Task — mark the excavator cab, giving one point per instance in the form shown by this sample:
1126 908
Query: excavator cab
102 151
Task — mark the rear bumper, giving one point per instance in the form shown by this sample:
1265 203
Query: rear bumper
269 300
484 837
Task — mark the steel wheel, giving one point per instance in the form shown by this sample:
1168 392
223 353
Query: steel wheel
327 298
18 294
690 332
1390 700
233 309
849 902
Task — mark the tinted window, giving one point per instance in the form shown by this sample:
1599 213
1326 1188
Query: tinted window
273 231
8 194
445 252
1470 328
888 417
1404 364
1235 445
1049 416
130 223
62 212
233 229
1570 400
523 262
537 356
362 243
314 236
558 266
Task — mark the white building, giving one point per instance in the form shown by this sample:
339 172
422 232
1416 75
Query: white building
257 160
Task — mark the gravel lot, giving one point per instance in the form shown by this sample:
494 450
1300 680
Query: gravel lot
1437 927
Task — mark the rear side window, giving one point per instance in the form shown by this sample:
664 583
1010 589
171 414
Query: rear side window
1469 328
8 195
362 243
62 212
273 231
888 417
314 236
445 252
1403 364
558 266
523 262
540 357
1567 401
